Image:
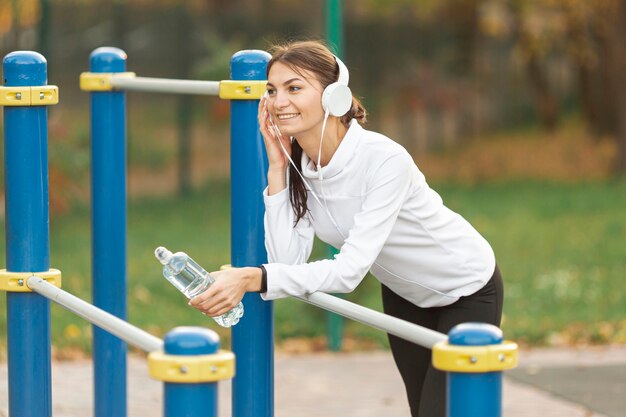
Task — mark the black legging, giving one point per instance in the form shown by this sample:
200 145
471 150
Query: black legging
426 386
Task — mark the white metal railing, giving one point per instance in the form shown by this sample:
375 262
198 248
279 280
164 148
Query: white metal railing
392 325
166 85
149 343
106 321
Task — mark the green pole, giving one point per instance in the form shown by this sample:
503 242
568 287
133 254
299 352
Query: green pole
334 25
334 36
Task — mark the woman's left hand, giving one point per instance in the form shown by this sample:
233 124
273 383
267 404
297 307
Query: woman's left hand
227 291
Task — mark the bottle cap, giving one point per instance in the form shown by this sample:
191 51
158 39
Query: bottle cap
162 254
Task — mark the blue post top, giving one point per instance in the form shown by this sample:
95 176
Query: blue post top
475 334
249 65
191 341
107 59
24 69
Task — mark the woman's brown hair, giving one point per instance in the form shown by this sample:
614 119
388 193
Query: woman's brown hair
316 58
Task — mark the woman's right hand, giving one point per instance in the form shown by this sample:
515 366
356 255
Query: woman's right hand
271 136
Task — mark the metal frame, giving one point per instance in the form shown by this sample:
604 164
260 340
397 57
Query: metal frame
106 321
128 81
473 354
253 337
27 238
109 225
191 369
16 281
401 328
46 95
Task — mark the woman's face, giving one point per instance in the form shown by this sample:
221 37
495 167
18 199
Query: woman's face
295 100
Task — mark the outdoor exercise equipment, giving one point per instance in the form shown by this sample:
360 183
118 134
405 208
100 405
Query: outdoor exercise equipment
189 361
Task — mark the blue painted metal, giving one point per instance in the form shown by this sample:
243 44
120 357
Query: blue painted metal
474 394
253 337
190 400
191 341
27 239
108 193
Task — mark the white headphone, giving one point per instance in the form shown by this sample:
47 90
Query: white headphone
337 97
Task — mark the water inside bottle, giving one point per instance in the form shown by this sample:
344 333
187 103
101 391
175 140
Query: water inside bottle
189 277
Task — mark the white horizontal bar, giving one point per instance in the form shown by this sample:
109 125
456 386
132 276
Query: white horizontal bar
166 85
106 321
137 337
392 325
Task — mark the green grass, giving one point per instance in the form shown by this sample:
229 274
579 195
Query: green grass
560 248
562 254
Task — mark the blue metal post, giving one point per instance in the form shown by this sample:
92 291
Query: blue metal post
27 239
474 394
190 399
253 337
108 193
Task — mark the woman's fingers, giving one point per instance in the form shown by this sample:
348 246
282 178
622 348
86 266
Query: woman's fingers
264 118
214 305
223 295
274 140
220 309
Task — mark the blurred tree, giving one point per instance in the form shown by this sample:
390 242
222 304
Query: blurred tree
185 102
422 10
537 27
16 25
613 38
23 16
462 16
592 36
580 24
586 28
119 17
595 43
43 30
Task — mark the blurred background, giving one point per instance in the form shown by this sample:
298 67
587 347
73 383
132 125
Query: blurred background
514 110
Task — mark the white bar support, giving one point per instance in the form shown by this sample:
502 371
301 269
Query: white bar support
166 85
137 337
392 325
114 325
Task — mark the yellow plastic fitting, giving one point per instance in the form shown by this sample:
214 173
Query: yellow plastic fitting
242 89
101 81
191 369
475 359
44 95
16 281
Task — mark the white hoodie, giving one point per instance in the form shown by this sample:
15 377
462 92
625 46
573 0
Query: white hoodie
395 226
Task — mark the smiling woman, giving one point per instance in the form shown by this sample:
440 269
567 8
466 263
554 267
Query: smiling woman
368 198
297 81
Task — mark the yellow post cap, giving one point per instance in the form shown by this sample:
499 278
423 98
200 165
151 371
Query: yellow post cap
16 281
192 368
475 359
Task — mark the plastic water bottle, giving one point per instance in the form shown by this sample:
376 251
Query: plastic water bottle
191 279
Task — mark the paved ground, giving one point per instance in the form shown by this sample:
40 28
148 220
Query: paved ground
549 383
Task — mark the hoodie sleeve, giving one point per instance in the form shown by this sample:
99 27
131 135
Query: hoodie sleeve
386 192
284 242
